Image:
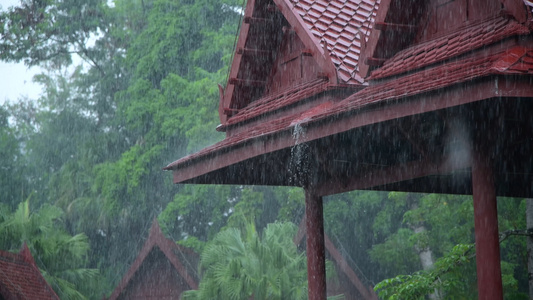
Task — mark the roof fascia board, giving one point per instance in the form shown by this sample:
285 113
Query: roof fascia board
236 63
166 247
321 56
375 34
418 104
25 253
146 249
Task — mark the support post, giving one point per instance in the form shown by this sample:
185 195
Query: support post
316 260
489 278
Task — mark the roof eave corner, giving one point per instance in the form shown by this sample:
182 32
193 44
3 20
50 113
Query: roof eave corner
317 51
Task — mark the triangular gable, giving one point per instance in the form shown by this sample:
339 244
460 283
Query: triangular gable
20 277
331 32
157 241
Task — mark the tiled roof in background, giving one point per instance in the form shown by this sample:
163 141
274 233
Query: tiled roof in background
516 60
463 41
21 279
182 259
339 26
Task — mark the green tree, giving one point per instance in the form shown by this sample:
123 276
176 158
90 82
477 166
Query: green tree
239 264
60 256
97 138
12 161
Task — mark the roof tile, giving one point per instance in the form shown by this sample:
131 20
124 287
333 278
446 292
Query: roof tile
277 101
459 42
21 279
339 21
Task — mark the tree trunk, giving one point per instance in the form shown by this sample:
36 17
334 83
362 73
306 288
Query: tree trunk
426 258
424 252
529 224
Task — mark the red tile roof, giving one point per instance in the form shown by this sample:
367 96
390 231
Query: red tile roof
339 26
516 60
279 100
460 42
283 99
20 278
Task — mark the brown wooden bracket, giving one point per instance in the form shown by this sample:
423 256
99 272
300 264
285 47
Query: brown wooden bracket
307 52
383 26
246 82
373 61
255 52
229 111
322 75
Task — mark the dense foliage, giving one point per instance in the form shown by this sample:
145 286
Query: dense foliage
239 264
129 86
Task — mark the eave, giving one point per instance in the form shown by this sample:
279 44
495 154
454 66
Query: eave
262 154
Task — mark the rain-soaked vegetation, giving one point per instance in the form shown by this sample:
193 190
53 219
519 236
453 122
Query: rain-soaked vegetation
131 85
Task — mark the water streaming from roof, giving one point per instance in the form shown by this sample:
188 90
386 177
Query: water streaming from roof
299 161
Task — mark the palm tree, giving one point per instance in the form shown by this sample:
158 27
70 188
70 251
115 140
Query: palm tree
59 256
240 265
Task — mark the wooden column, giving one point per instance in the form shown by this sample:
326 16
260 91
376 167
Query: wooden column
316 261
489 279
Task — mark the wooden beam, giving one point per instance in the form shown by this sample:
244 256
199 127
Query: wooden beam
408 137
230 111
383 26
375 62
246 82
307 52
345 268
397 173
254 52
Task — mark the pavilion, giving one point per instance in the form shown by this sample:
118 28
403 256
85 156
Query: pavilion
419 96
